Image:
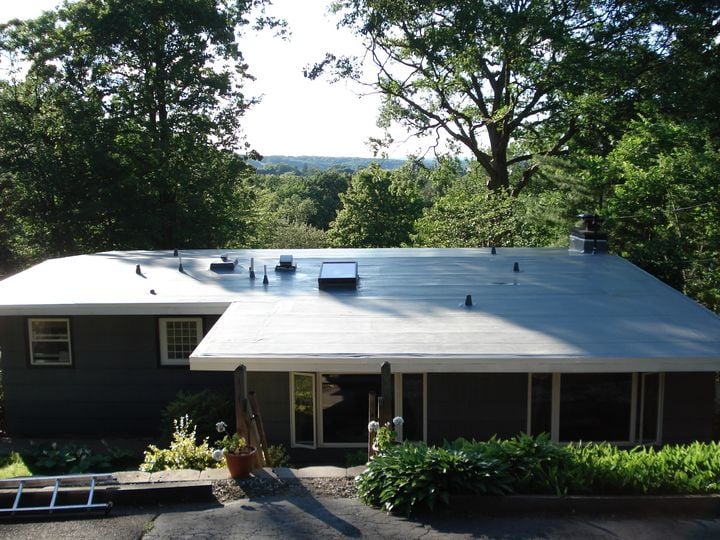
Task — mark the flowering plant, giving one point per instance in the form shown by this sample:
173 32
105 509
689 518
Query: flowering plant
229 444
386 435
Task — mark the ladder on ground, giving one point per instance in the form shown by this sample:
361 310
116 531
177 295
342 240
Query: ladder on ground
77 486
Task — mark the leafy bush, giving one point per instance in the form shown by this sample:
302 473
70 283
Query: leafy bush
73 458
184 451
408 477
205 408
277 456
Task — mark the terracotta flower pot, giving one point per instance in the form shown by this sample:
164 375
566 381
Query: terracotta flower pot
241 465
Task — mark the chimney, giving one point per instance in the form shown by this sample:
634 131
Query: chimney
589 238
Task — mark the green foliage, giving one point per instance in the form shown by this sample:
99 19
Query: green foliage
234 444
521 77
414 477
12 465
384 438
205 408
277 456
73 458
122 132
410 477
664 208
379 210
184 451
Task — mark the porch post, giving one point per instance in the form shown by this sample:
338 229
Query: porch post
241 402
386 391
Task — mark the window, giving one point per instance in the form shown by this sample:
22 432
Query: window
413 406
49 342
302 389
613 407
178 338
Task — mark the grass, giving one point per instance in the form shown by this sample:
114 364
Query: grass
12 465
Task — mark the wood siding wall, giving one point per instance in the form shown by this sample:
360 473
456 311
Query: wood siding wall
116 385
476 405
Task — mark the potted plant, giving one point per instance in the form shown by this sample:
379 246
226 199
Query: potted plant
239 456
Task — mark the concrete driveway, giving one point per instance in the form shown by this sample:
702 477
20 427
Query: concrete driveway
326 518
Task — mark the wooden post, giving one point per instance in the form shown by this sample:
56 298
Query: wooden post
241 402
260 426
372 416
254 439
386 391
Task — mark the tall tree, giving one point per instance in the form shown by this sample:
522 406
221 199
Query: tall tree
513 81
134 108
379 209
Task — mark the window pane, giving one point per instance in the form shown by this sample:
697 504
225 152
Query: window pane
181 336
541 403
412 406
650 408
50 330
304 409
345 407
51 352
595 407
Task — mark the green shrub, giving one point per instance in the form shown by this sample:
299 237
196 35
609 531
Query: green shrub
277 456
206 408
72 458
409 477
184 451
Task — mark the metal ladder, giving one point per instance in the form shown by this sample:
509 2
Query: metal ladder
87 481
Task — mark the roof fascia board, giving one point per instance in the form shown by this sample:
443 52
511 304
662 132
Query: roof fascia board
457 364
185 308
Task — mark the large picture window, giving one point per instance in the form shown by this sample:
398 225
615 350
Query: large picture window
613 407
49 342
178 338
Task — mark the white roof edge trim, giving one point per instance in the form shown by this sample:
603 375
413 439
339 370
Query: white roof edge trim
455 364
189 308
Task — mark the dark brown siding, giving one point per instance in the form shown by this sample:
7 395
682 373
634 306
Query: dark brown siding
476 405
114 387
689 407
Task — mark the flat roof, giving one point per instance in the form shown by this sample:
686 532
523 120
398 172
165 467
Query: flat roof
561 312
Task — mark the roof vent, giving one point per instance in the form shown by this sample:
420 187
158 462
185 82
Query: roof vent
225 264
338 274
589 238
286 264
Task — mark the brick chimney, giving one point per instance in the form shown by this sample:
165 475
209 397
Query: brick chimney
589 238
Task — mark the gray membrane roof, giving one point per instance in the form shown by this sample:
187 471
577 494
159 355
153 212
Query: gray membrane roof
561 312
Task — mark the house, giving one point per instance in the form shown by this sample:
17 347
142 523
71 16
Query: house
584 346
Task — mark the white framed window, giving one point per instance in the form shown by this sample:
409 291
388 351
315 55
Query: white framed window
621 408
50 342
178 338
302 413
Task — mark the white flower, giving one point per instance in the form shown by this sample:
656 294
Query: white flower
373 426
221 427
54 446
398 421
217 455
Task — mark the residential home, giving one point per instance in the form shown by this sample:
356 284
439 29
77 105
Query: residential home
580 344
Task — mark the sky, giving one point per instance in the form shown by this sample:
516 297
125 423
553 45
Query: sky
296 116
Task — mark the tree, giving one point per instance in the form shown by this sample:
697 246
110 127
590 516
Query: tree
664 210
522 76
127 118
378 210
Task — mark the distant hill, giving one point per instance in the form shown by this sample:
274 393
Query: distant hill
302 164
